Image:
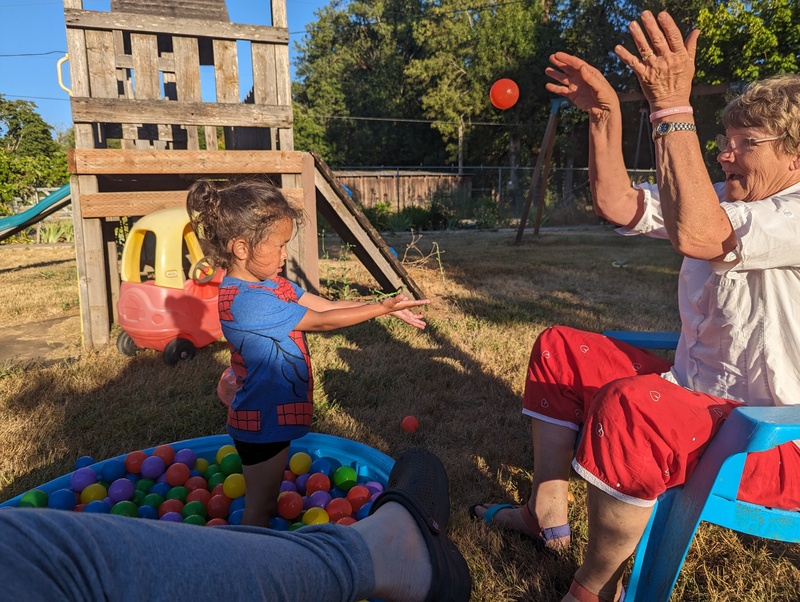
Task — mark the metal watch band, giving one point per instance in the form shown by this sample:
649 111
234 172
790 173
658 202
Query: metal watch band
665 127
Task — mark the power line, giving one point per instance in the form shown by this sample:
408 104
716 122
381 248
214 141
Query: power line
402 120
35 53
34 97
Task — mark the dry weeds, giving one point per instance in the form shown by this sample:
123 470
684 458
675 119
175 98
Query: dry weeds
462 378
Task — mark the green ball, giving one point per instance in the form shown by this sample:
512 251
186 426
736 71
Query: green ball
345 477
144 485
178 493
215 479
211 471
125 508
231 463
194 507
296 526
138 496
195 519
36 498
152 499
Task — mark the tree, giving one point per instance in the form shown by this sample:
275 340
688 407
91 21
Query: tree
29 157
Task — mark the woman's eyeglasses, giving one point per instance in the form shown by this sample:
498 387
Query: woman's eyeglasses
740 144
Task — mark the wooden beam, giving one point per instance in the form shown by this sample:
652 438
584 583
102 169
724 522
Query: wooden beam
136 203
134 162
108 110
90 19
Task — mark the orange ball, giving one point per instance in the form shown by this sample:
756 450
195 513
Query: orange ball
178 474
318 481
133 461
290 504
410 424
504 93
339 508
166 453
358 496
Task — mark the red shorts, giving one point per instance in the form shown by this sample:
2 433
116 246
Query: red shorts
641 433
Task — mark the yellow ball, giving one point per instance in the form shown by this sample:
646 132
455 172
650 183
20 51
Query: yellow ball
93 492
300 463
233 486
224 451
315 516
202 464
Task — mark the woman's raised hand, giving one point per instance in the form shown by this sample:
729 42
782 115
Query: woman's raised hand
665 66
582 84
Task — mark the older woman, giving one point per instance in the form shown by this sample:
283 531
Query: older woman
646 422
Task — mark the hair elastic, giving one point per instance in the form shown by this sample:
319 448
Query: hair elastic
672 111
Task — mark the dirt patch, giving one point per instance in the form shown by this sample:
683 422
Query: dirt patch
46 342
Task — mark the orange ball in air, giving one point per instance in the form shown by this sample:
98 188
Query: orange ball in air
504 93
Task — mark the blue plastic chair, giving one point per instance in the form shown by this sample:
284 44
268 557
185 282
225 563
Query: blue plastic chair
710 495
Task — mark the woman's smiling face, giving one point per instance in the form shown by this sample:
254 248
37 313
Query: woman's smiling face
755 171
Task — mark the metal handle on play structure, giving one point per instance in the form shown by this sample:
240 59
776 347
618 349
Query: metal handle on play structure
61 85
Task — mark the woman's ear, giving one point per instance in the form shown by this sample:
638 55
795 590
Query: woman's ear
240 249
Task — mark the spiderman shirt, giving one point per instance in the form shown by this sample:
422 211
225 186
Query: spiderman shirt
270 360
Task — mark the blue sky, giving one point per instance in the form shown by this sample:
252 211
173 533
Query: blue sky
36 28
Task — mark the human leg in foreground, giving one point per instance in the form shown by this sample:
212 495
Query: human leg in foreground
395 554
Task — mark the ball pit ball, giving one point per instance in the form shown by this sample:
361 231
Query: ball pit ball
211 470
144 485
345 477
121 490
145 511
300 463
153 467
200 464
339 508
290 505
504 93
217 479
186 456
62 499
83 461
173 517
219 506
410 424
93 492
133 461
321 465
231 463
194 507
138 496
166 453
199 495
196 482
161 489
288 475
319 499
315 516
177 474
82 478
288 486
346 520
216 522
234 486
195 519
36 498
125 508
363 512
170 506
374 486
178 493
224 451
358 496
300 483
153 499
279 524
235 517
217 490
237 504
97 507
112 470
317 482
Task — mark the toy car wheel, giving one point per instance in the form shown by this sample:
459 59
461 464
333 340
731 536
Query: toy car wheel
203 271
126 346
178 350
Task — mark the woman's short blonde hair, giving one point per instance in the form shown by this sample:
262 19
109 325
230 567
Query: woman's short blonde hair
771 104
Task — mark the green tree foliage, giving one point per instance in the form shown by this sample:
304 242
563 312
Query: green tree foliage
29 156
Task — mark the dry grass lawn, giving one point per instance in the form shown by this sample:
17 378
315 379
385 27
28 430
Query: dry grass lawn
462 378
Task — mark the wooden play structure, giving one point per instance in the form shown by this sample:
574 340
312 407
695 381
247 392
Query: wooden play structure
144 132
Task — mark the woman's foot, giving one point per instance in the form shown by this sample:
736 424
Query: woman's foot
520 519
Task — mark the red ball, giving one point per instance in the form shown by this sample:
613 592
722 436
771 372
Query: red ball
170 506
216 522
339 508
410 424
178 474
218 490
347 520
290 504
504 93
166 453
197 482
288 475
201 495
318 481
358 496
219 506
133 461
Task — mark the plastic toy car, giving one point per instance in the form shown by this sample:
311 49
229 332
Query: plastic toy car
168 294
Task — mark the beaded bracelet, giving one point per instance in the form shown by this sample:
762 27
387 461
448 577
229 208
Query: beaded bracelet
672 111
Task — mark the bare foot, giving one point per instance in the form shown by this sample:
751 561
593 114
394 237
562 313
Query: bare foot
514 519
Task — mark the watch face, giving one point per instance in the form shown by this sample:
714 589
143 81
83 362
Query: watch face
663 128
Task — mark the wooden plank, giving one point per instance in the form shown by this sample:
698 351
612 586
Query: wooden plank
137 203
126 83
91 110
187 79
144 50
125 61
87 19
353 227
100 62
226 71
120 162
310 248
182 9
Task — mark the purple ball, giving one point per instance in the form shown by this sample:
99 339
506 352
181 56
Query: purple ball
186 456
300 483
374 496
82 478
288 486
121 490
173 517
319 499
153 467
373 486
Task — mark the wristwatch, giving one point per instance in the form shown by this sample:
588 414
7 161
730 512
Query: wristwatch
665 127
